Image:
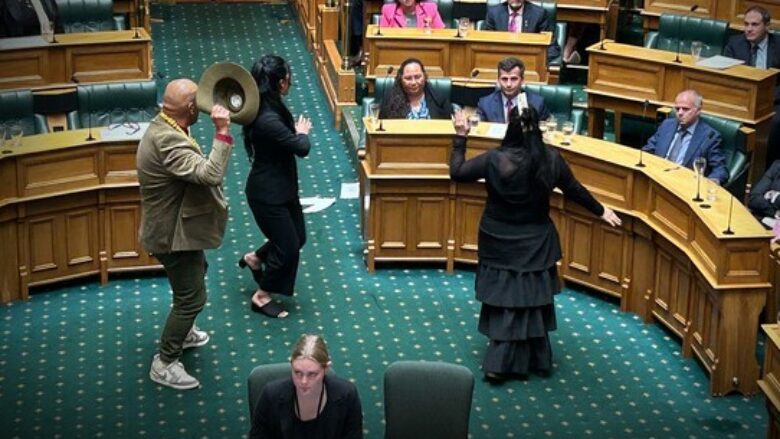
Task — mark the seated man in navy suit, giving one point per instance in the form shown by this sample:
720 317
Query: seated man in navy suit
497 106
761 49
522 16
685 138
765 196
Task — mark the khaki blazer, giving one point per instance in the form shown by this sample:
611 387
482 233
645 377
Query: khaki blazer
183 206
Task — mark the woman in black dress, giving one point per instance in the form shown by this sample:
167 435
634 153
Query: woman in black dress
518 245
272 142
411 97
310 404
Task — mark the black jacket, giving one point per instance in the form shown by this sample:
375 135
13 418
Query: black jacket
738 47
273 178
274 416
438 106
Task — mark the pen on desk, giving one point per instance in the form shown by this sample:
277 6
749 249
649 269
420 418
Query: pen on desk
673 168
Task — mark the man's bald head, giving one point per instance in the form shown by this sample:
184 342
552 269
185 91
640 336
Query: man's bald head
179 101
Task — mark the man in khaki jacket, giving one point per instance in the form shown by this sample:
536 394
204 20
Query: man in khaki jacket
183 212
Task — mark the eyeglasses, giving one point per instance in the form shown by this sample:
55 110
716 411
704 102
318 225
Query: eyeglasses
131 127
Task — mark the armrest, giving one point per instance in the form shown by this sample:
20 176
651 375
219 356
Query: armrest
578 117
651 39
750 139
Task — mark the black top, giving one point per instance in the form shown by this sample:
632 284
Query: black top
770 181
515 230
274 416
273 178
439 106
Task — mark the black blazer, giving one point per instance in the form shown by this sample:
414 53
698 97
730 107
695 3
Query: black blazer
738 47
273 178
535 20
770 181
274 413
439 105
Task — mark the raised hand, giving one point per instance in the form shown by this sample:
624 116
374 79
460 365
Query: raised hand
461 123
303 125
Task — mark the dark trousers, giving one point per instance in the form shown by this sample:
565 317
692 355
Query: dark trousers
284 227
186 271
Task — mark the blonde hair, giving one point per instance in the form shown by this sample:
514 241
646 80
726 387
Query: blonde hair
312 347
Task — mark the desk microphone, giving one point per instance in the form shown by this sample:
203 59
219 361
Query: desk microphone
679 30
642 146
136 36
601 26
728 230
379 26
389 72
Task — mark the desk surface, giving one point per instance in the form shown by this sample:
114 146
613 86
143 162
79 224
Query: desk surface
73 39
73 138
679 181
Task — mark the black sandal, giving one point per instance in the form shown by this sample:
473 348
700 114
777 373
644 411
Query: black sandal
270 309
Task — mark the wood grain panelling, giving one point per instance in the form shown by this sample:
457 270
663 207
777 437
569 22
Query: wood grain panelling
579 236
104 63
625 76
58 172
392 231
81 237
613 248
432 228
43 236
671 213
120 165
467 215
20 69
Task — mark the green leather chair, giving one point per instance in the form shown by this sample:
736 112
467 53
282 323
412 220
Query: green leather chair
430 400
115 103
736 142
559 99
16 107
679 29
88 16
559 30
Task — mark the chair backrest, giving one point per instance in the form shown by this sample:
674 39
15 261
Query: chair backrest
559 99
679 29
429 400
16 107
115 103
86 15
259 377
443 86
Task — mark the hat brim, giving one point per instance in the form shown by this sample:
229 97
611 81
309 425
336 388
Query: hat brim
232 86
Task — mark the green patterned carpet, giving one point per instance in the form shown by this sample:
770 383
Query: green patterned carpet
74 360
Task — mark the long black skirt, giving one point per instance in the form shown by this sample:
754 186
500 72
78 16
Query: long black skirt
517 314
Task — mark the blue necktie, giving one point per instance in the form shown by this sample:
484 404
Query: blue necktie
674 151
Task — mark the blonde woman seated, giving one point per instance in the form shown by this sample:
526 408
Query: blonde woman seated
411 13
309 404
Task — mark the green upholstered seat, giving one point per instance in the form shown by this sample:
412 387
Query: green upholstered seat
115 103
559 100
16 107
430 400
678 29
88 16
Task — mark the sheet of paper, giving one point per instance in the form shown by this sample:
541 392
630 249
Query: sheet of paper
497 130
316 204
349 191
125 131
719 62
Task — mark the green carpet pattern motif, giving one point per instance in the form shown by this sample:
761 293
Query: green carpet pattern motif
74 360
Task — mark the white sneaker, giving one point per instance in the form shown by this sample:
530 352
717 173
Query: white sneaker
171 375
195 338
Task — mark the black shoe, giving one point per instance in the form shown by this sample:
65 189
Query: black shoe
494 378
270 309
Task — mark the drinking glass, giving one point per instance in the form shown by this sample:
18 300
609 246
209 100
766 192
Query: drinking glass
712 192
568 131
373 114
473 120
15 133
463 26
699 165
696 47
552 128
427 25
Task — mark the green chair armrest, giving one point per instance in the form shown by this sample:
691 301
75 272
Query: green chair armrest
651 39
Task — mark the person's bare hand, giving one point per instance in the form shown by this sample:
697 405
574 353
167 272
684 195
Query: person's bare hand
303 125
220 116
461 123
611 217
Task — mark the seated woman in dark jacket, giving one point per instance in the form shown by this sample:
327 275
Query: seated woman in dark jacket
411 97
308 405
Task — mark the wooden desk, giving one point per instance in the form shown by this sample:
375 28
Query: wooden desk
591 12
68 208
622 77
670 261
732 11
444 54
31 62
770 382
137 11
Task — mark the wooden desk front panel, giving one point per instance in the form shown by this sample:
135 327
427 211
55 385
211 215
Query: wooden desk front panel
770 381
126 61
30 68
729 10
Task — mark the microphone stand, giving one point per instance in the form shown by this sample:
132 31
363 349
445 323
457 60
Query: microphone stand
640 164
679 31
89 115
698 198
601 25
381 124
728 230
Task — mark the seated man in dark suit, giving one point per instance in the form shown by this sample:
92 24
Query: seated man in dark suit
522 16
765 196
497 106
683 139
761 49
